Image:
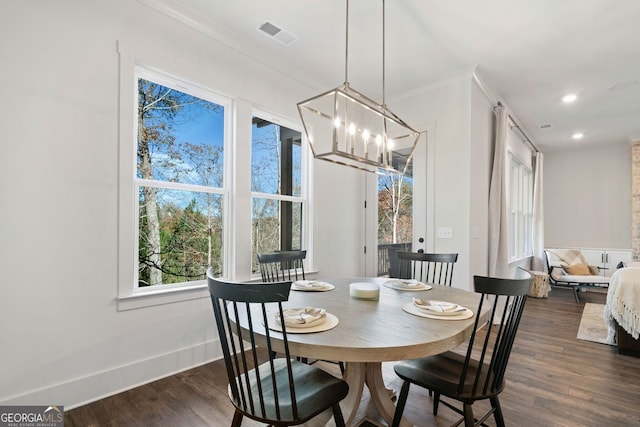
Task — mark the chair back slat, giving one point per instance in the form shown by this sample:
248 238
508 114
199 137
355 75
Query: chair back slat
282 266
487 358
251 383
425 267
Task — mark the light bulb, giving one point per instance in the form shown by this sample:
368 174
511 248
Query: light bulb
365 135
336 122
352 129
378 139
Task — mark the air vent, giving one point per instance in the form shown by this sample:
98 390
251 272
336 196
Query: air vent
545 126
273 31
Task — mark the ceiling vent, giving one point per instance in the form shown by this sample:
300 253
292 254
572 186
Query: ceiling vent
544 127
273 31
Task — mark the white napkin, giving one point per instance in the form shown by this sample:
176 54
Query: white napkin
310 284
437 306
406 283
303 317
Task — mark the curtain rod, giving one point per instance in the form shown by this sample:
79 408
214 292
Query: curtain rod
515 125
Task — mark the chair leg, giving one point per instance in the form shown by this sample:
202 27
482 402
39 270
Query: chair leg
575 293
436 402
469 421
237 419
402 401
341 364
337 415
497 411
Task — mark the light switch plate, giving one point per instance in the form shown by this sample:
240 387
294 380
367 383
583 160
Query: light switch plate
444 233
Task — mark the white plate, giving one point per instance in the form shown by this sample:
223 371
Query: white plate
330 323
441 303
399 284
299 286
412 309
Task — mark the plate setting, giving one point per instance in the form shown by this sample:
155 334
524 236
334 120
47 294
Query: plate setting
440 310
311 286
323 322
407 285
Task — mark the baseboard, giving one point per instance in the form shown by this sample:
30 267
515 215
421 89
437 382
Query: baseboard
89 388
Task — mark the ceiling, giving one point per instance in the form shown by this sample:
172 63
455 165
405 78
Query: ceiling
529 53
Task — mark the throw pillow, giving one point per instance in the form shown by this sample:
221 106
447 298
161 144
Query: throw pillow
578 270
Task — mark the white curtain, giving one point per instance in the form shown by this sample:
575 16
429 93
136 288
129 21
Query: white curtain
498 216
539 263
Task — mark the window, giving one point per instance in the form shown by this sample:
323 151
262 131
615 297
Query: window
278 203
178 203
179 182
521 209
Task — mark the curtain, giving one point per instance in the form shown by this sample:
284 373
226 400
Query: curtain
498 216
538 216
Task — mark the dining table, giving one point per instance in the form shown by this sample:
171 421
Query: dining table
363 333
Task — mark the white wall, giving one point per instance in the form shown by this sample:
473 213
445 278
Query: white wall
482 137
459 119
587 197
63 340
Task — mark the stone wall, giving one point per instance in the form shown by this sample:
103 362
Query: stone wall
635 200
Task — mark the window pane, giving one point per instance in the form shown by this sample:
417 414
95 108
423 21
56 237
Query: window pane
180 136
267 232
188 227
180 139
275 159
395 209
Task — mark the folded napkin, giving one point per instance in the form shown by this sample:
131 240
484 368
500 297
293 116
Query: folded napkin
406 283
437 306
310 284
302 317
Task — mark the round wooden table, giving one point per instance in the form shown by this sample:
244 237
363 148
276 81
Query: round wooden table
372 332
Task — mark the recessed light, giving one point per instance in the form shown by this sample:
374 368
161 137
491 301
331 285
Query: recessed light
577 135
569 98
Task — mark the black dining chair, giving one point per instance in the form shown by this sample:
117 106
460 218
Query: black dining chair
281 266
274 391
478 374
424 267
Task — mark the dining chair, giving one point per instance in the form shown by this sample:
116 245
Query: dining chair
274 391
430 268
478 374
281 266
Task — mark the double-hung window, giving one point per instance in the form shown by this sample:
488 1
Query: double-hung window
520 209
277 188
177 183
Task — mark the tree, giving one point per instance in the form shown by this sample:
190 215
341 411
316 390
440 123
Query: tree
395 204
174 235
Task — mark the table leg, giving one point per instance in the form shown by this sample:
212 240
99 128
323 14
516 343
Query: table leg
357 375
380 395
354 375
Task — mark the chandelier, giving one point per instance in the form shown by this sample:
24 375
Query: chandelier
346 127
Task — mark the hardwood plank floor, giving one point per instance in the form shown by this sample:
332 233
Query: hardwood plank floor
553 379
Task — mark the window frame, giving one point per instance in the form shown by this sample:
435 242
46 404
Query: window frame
305 179
130 296
520 208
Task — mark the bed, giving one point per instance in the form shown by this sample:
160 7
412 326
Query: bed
622 310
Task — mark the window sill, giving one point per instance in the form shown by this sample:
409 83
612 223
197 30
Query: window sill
152 297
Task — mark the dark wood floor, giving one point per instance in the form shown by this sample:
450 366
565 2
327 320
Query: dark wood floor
553 380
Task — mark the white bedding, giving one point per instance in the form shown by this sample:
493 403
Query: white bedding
623 302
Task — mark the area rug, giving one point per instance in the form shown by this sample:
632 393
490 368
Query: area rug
592 326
